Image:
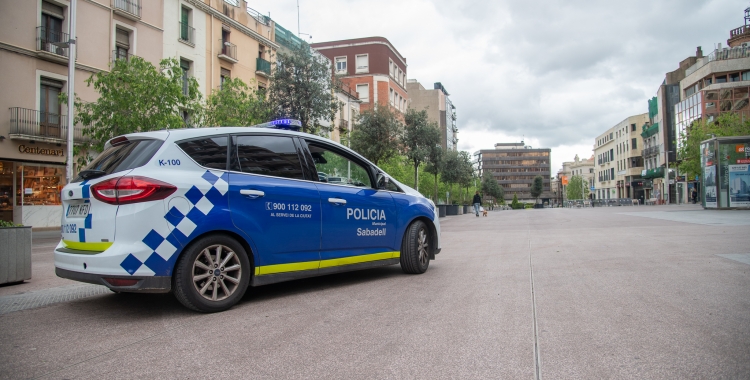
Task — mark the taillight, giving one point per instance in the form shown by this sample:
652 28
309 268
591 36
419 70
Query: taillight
131 189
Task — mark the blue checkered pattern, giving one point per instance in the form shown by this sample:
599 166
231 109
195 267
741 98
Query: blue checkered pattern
202 202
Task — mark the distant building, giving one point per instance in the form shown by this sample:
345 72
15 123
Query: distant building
439 107
372 67
514 166
619 164
577 167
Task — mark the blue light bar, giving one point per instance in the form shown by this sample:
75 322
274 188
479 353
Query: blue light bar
287 124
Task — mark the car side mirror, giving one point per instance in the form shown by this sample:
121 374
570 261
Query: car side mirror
382 181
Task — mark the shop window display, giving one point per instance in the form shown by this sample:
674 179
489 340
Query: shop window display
6 191
39 185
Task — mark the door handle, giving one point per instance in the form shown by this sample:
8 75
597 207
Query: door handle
337 201
252 193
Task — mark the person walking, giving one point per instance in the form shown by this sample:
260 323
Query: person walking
694 195
477 201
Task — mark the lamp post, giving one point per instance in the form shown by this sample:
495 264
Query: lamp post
666 160
71 89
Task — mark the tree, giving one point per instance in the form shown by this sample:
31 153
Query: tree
466 172
435 165
451 169
235 104
135 96
419 137
515 204
688 152
376 134
577 188
302 88
537 187
492 188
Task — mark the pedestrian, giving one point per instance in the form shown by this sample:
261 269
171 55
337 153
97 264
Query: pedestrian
477 201
694 195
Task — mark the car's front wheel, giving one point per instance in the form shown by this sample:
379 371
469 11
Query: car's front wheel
415 248
212 275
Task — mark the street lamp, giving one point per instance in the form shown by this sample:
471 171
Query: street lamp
71 91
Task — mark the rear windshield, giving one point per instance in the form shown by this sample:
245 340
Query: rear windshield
133 154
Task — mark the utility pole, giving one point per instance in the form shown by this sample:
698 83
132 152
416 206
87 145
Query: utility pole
71 85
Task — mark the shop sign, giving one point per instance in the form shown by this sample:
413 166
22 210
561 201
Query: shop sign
41 151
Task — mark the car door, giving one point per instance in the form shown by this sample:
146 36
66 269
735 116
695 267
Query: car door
271 201
358 220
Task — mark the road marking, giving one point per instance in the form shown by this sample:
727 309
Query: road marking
739 257
537 359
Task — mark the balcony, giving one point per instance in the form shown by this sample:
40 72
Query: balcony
186 34
653 173
33 125
650 151
343 124
265 20
262 67
228 51
130 9
50 45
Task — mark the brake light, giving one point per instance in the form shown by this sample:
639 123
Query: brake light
131 189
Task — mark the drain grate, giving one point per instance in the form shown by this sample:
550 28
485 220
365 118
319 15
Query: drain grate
39 298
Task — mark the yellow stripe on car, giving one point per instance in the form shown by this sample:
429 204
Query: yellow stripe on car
309 265
88 246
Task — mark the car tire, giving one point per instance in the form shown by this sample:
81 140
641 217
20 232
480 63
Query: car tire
415 248
202 283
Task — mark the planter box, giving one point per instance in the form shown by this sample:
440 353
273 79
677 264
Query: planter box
15 254
452 210
467 209
442 210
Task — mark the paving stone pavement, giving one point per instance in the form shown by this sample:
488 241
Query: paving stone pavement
39 298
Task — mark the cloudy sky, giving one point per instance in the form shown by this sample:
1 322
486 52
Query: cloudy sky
557 73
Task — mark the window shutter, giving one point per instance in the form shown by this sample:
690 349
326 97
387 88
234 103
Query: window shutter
50 82
122 38
362 61
52 9
226 73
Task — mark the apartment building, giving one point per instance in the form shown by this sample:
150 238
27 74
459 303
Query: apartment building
372 67
514 166
619 162
439 107
577 167
34 57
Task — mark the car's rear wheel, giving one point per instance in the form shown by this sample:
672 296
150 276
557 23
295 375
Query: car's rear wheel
415 248
212 275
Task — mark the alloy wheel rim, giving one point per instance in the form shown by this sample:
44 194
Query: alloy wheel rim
216 272
422 247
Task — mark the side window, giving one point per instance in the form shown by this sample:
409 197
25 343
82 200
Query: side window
392 187
268 155
337 169
210 152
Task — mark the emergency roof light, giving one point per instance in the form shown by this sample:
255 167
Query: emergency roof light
287 124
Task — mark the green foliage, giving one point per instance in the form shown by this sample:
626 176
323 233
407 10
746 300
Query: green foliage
515 204
688 153
4 223
301 88
537 187
419 138
435 166
376 134
577 188
135 96
235 104
492 188
467 174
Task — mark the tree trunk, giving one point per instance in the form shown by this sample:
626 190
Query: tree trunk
436 188
416 177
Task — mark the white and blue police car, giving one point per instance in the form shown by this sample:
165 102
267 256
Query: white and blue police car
207 212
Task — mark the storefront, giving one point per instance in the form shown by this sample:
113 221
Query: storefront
31 177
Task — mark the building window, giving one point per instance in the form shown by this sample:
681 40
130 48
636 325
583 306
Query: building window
341 65
51 28
49 107
185 29
185 66
364 92
391 69
122 44
225 76
363 63
391 96
634 143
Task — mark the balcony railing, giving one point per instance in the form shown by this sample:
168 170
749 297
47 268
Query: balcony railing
186 32
265 20
51 41
132 7
228 51
263 66
43 126
343 124
650 151
116 54
739 31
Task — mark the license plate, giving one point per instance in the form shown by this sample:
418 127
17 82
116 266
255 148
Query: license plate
79 211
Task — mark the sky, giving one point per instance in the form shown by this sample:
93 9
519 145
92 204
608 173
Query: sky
553 73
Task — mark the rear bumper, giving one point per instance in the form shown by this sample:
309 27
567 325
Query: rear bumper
149 284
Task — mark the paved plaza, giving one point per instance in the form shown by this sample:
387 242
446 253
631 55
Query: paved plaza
620 292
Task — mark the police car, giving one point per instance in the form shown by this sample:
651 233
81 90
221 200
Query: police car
207 212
